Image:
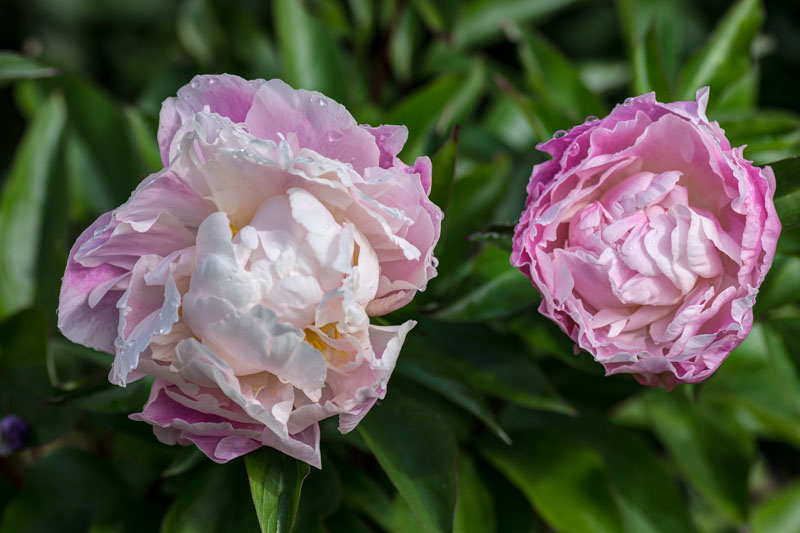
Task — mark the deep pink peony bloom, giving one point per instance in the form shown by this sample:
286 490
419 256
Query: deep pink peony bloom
648 237
242 276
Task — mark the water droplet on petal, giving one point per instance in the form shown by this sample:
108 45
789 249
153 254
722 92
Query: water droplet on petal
559 133
334 136
591 118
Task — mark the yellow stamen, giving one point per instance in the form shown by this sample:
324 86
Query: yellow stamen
234 231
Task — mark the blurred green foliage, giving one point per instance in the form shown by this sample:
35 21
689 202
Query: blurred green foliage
491 423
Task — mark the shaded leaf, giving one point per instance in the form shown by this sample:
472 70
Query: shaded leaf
787 190
475 510
214 500
417 451
564 481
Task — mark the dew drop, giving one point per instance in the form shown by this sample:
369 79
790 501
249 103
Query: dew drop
591 118
334 136
559 133
628 100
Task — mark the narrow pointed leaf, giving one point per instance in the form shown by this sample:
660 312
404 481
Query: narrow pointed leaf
275 482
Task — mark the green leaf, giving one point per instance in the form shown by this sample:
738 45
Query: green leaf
648 67
22 206
726 55
475 510
401 44
14 67
417 451
780 513
554 80
198 31
719 473
362 493
481 20
502 369
648 499
564 481
444 172
275 482
106 136
475 197
213 501
62 492
760 379
430 370
494 290
437 106
787 190
309 56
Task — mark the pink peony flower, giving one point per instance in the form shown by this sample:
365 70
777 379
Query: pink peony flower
648 237
242 276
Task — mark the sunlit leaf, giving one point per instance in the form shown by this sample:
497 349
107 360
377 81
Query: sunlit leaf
22 206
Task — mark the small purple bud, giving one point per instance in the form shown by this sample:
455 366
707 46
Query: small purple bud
13 434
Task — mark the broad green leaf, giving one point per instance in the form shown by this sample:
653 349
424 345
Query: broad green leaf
769 135
474 199
213 501
648 499
648 67
401 43
500 369
782 286
437 106
320 497
554 80
692 438
198 31
480 20
62 492
759 378
787 190
22 205
14 66
564 481
431 371
275 482
726 56
475 510
444 172
310 58
417 451
495 289
780 513
362 493
144 137
106 135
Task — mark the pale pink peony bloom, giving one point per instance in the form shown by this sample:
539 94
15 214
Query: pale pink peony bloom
242 276
648 236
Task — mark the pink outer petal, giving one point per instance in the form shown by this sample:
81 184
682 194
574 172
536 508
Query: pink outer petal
321 124
224 94
221 439
91 325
